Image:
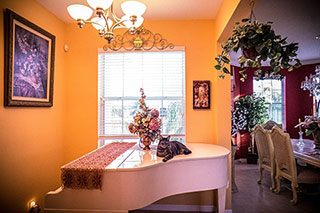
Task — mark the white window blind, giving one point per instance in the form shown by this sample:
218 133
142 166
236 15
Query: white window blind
121 75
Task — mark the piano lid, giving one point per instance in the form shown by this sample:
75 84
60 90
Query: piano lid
136 158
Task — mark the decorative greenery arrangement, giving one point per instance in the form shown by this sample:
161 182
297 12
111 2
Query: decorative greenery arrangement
258 43
247 112
146 123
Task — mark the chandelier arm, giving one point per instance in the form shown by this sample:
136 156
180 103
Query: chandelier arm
91 22
113 14
120 23
94 22
106 20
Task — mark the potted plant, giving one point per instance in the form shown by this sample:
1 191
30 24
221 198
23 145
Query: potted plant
258 42
247 112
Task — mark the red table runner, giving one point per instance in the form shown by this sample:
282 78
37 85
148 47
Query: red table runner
86 172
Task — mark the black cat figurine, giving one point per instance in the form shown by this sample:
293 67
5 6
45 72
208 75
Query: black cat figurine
168 149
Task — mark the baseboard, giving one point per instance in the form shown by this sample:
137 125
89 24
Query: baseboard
180 208
228 211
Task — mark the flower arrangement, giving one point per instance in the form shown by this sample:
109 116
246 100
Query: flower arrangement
311 124
146 123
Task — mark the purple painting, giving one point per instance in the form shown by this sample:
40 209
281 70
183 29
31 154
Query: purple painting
30 64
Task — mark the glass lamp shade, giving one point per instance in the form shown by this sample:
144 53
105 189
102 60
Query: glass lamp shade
78 11
101 23
129 24
105 4
133 8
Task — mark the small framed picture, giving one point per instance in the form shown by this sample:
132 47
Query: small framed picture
201 94
29 63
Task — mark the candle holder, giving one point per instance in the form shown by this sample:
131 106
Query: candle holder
300 143
300 136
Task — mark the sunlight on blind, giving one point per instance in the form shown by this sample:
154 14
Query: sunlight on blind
121 75
272 91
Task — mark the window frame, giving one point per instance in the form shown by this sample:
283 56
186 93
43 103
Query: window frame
101 100
282 97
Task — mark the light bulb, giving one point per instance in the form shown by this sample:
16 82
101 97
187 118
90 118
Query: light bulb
105 4
133 8
129 24
78 11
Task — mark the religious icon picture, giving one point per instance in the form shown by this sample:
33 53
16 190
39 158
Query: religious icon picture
29 63
201 94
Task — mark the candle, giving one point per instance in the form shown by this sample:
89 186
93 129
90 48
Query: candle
300 125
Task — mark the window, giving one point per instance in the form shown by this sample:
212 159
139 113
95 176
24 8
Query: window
272 91
122 74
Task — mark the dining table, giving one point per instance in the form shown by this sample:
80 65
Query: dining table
305 150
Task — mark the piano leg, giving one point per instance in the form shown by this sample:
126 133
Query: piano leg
222 199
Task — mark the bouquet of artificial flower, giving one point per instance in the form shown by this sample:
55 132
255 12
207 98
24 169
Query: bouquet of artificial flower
146 123
311 124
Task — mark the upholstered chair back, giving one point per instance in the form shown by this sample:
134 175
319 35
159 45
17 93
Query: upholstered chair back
264 145
266 154
286 164
270 124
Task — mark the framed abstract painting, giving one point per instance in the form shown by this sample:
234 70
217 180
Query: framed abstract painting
201 94
29 63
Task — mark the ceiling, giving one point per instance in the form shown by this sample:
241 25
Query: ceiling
299 20
156 9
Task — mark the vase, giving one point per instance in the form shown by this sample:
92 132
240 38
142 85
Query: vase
145 143
250 53
316 139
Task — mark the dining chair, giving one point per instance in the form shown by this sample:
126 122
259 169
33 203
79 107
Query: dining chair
267 126
270 124
286 165
265 153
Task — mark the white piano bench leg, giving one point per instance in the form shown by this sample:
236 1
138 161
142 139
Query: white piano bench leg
222 199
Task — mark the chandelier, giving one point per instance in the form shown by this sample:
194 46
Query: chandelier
312 83
105 20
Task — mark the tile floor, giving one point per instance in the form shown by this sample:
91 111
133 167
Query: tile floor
255 198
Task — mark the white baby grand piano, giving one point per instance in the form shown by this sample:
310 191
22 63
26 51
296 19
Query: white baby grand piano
138 178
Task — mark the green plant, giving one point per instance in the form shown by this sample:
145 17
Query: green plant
258 43
247 112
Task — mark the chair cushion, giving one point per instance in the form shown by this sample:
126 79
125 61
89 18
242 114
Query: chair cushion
308 175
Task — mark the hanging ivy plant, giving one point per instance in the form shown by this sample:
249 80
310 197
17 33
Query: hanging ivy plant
258 42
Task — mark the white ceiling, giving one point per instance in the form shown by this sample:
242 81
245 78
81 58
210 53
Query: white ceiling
156 9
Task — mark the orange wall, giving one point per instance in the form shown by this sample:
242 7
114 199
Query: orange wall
198 39
31 139
35 142
222 117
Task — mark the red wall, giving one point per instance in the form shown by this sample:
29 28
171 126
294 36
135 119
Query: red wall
297 102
